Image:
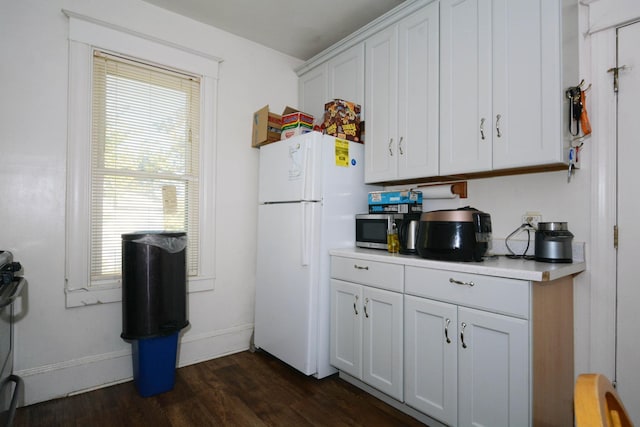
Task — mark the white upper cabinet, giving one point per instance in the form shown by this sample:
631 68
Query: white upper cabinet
341 77
346 75
313 92
465 86
381 124
418 88
401 98
527 83
455 86
501 85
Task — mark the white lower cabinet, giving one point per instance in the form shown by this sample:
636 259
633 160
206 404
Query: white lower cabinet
493 369
479 350
464 366
467 366
431 358
366 335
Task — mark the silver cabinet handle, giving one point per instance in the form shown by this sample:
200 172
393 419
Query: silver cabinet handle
366 301
355 301
498 117
359 267
458 282
464 325
390 144
400 145
482 128
446 331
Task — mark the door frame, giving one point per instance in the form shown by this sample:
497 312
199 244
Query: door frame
603 147
604 188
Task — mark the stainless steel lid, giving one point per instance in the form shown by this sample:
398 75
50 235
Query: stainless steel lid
453 215
552 226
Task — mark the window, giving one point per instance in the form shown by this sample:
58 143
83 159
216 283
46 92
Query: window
144 157
141 122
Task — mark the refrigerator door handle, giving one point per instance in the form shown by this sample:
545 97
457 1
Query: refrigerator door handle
306 172
306 229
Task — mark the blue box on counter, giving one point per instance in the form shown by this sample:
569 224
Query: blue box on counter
395 197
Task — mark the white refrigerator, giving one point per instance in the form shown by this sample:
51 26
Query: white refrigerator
311 186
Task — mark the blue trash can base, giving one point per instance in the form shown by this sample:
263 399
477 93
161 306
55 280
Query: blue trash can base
154 364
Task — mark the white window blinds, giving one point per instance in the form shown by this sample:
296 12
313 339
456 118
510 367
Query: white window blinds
144 158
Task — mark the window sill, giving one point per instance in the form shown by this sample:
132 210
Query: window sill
113 293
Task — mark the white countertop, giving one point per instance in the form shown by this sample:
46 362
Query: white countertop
499 266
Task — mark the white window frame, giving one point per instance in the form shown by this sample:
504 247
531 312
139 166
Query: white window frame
85 34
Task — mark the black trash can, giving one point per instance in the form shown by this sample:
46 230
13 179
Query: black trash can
154 305
154 290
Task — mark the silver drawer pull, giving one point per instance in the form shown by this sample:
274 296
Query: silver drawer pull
464 325
359 267
458 282
446 331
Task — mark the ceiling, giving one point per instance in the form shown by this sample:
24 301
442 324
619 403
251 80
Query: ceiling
299 28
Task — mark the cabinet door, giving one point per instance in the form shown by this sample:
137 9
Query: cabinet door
382 341
418 93
381 84
346 76
312 92
527 91
346 327
493 373
465 86
431 360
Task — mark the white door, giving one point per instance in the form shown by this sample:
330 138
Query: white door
381 85
290 169
628 337
465 86
527 95
286 292
382 365
346 327
431 360
312 92
346 76
418 88
493 369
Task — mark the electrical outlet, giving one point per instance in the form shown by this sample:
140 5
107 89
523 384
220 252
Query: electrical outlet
532 218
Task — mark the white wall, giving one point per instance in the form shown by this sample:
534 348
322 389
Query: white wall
61 350
606 13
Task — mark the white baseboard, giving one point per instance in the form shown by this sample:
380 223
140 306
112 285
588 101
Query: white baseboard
89 373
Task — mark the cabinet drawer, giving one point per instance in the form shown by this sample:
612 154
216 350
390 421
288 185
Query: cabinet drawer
372 273
496 294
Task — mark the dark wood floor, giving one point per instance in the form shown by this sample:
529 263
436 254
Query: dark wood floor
244 389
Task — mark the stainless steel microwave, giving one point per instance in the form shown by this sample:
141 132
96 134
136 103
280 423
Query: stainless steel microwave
371 229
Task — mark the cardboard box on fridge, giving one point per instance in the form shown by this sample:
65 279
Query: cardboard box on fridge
266 127
295 122
342 120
